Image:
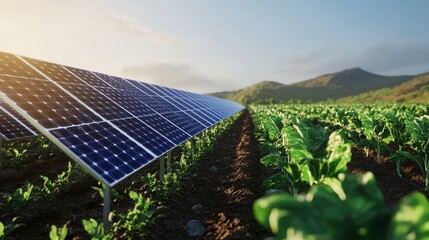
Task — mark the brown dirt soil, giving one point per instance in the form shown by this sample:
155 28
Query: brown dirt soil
227 195
70 206
388 181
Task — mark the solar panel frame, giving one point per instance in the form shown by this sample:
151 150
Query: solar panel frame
189 121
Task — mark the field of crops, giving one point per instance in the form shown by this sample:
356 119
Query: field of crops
306 174
311 147
45 196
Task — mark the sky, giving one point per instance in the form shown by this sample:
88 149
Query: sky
207 46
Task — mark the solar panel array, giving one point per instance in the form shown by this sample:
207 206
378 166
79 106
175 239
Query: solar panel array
13 125
111 126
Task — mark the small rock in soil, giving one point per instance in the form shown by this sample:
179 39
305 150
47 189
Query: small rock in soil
198 209
194 228
214 169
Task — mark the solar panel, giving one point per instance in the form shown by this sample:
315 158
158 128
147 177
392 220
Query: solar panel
13 125
109 125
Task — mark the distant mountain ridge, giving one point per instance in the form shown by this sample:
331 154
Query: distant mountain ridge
415 90
333 86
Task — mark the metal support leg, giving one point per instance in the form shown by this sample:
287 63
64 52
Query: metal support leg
161 168
106 208
169 162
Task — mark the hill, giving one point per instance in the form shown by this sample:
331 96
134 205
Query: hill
349 82
415 90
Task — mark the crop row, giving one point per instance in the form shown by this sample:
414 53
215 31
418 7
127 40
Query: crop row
399 131
146 194
311 196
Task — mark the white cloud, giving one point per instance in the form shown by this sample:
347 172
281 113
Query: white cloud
131 26
175 75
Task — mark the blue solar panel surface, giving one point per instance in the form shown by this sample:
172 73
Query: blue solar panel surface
13 125
110 125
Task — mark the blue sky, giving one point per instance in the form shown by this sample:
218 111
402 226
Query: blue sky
206 46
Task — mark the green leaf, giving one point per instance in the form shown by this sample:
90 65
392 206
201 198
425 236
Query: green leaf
53 234
58 234
410 219
263 206
339 154
271 160
94 229
418 129
277 180
354 200
2 233
295 144
306 174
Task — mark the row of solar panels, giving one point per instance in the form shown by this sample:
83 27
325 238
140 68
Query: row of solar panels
109 125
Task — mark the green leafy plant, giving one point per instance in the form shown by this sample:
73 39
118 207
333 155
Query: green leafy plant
299 167
418 130
376 134
58 233
352 202
20 198
50 187
20 156
410 218
6 230
96 230
395 124
135 221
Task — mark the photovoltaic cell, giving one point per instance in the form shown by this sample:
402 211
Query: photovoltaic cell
141 87
152 140
176 103
194 104
88 77
97 101
177 94
198 117
45 102
172 93
212 114
54 71
129 100
13 125
104 149
182 104
11 65
115 82
185 122
166 128
110 125
152 88
161 90
158 104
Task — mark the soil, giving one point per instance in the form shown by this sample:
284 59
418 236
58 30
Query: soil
70 206
227 194
393 187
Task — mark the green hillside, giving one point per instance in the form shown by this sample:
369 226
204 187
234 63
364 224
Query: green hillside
415 90
350 82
